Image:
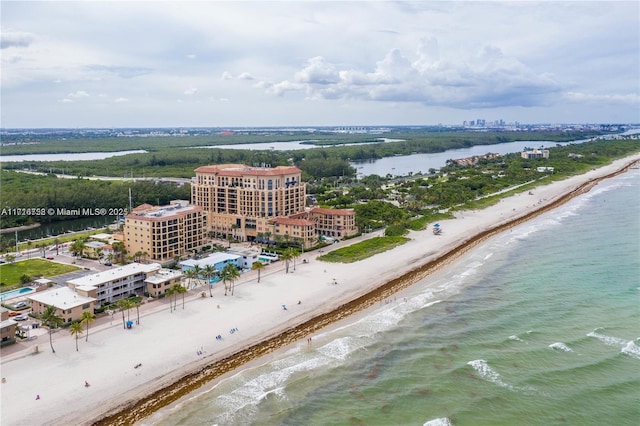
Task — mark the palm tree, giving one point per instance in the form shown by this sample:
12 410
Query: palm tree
190 274
76 329
51 320
180 290
197 272
124 304
99 254
176 290
137 306
287 255
209 273
169 293
229 273
295 253
77 248
120 250
257 265
87 318
57 243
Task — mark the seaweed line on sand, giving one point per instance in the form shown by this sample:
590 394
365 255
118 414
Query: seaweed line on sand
133 411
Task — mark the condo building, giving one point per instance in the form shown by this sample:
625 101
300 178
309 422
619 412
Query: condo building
70 304
163 232
241 199
531 153
334 223
115 283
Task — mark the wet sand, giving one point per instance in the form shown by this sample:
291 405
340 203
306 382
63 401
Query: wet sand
165 342
191 382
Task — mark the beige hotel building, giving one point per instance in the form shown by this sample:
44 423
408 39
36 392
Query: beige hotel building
163 232
241 200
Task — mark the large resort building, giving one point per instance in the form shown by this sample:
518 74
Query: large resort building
237 197
234 201
264 203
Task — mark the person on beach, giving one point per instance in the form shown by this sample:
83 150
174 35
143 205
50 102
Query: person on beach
37 397
86 384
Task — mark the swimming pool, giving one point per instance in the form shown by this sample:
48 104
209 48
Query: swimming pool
15 293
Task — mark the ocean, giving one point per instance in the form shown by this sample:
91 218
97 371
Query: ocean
537 326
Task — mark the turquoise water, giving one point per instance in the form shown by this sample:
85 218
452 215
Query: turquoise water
539 326
15 293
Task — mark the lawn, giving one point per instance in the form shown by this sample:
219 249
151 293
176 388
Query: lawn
363 249
35 268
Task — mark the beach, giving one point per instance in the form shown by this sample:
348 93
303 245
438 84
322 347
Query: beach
168 344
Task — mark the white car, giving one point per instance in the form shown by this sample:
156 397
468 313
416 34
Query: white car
21 318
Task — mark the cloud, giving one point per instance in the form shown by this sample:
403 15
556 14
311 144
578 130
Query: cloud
120 71
485 78
15 39
627 98
191 91
120 100
74 96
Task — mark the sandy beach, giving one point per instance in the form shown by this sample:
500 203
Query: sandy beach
177 351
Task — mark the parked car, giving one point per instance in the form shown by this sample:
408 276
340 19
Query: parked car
21 305
14 313
21 318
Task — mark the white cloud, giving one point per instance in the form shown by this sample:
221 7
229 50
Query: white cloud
311 62
485 79
15 39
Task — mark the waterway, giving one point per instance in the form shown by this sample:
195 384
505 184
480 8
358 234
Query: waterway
63 227
79 156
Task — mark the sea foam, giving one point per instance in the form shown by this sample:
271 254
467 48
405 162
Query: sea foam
444 421
560 347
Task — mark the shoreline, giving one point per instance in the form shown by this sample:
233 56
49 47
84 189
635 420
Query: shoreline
121 396
186 384
20 228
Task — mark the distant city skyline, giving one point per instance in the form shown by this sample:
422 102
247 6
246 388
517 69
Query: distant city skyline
167 64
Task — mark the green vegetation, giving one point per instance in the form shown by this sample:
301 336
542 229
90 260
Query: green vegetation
169 156
363 249
20 190
72 141
419 201
11 273
396 204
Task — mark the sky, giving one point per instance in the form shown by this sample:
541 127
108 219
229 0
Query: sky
80 64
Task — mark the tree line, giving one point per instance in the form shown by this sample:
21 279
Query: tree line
21 190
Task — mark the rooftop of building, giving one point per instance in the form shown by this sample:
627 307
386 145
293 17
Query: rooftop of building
244 251
339 212
163 275
147 211
212 260
61 298
101 237
93 280
243 169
